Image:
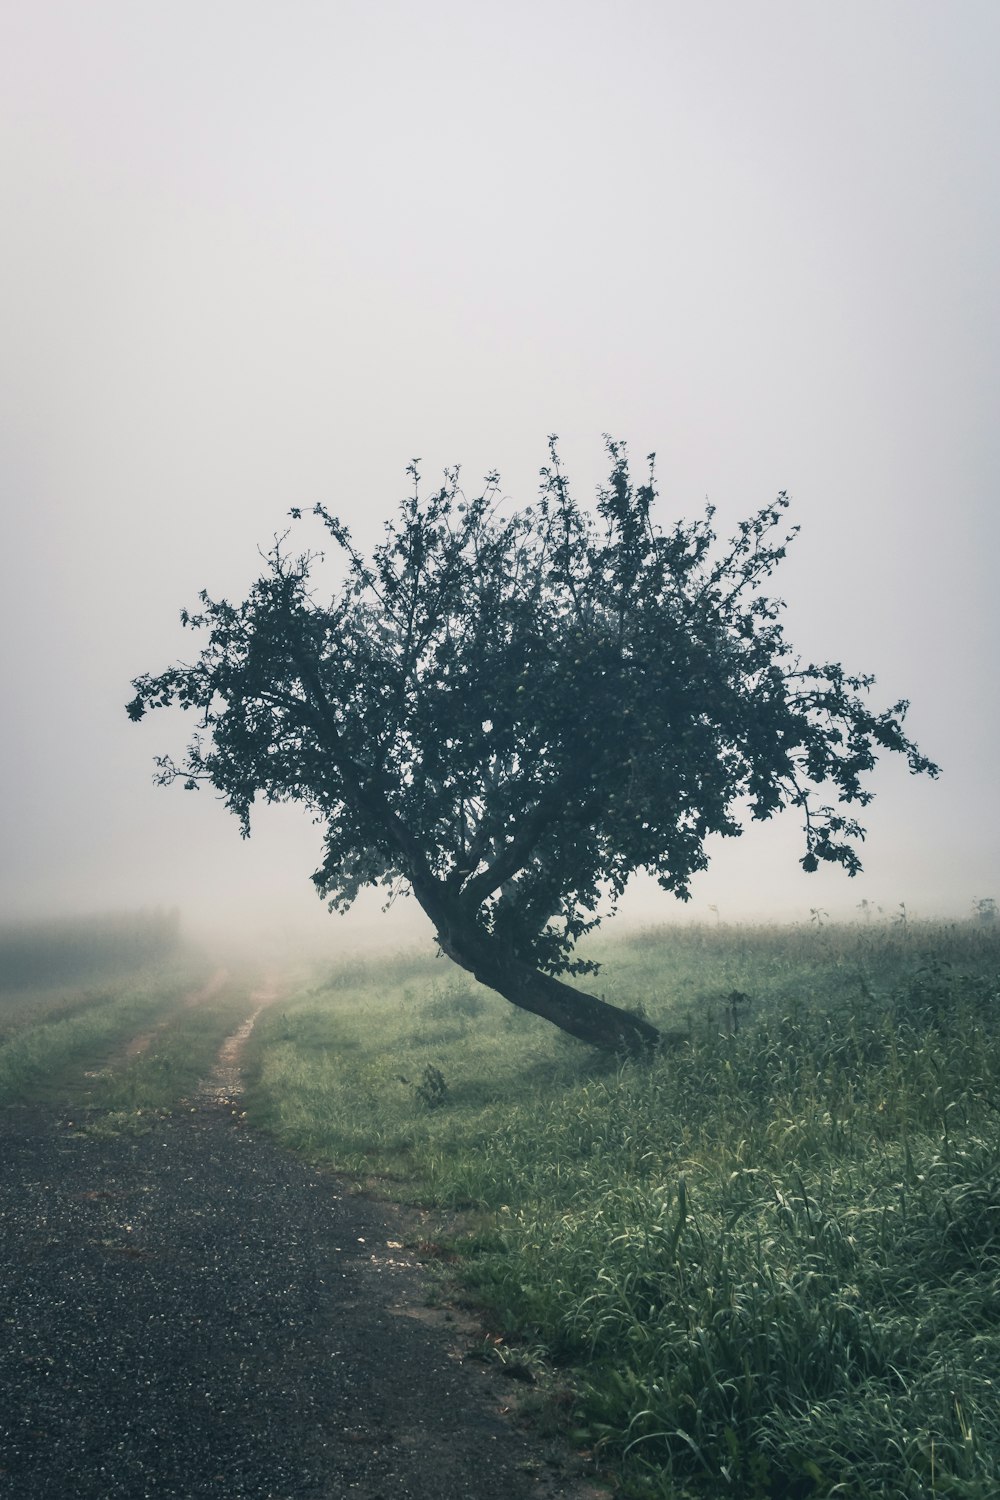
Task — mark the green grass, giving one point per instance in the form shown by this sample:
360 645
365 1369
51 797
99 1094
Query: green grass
765 1265
768 1264
22 1009
180 1054
47 1048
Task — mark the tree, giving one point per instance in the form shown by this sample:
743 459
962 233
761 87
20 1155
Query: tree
511 711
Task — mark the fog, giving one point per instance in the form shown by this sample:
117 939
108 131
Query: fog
259 255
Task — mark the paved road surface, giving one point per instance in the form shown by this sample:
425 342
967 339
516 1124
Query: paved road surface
193 1313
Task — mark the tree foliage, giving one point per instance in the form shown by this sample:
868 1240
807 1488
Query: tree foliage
511 711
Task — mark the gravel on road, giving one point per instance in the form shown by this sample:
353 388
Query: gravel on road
191 1312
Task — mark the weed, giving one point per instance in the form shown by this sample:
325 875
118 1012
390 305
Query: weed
432 1089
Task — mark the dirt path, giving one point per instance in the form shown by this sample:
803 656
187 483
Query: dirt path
192 1313
136 1046
224 1085
142 1043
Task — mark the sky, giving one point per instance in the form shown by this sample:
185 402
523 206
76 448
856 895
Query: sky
258 255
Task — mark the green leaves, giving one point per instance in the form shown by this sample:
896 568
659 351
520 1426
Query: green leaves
512 710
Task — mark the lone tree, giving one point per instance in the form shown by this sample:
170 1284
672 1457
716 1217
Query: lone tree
509 712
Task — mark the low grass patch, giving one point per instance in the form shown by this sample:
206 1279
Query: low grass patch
22 1009
180 1053
49 1048
768 1263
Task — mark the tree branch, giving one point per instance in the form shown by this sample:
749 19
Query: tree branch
369 800
514 855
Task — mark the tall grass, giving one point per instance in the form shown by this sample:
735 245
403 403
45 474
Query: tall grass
770 1261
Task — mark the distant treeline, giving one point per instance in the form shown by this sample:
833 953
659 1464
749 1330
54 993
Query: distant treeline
65 950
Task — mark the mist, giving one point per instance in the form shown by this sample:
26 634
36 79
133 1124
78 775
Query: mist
257 257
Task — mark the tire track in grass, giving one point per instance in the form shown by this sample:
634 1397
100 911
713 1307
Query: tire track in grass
164 1067
140 1044
224 1085
122 1055
69 1054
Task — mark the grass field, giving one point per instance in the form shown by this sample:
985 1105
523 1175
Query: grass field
764 1265
138 1027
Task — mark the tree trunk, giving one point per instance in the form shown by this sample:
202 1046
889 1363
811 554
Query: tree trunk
583 1016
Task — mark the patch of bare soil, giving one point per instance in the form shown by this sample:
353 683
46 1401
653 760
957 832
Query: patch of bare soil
192 1313
224 1085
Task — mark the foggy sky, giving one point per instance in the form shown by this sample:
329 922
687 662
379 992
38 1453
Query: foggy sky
259 255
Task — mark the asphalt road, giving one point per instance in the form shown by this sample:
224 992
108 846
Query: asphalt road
192 1313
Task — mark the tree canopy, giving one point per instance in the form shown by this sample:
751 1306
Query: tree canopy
510 711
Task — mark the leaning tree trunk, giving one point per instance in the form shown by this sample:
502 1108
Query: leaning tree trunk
582 1015
574 1011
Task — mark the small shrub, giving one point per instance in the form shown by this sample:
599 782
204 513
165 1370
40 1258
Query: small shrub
432 1090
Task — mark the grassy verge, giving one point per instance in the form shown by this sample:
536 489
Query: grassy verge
21 1010
769 1264
48 1047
